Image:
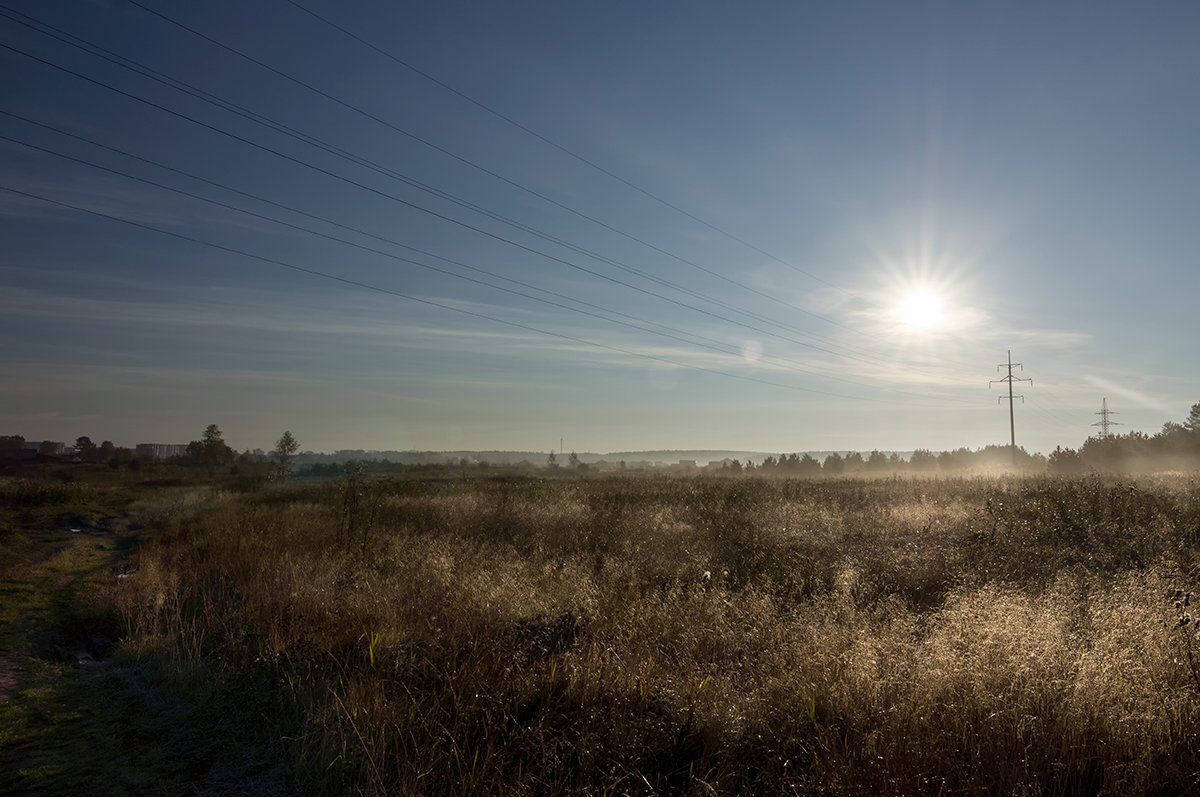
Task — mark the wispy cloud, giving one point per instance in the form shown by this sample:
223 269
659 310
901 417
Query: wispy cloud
1135 397
1047 338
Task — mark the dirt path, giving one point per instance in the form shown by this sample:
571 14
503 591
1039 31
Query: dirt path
72 720
76 716
59 725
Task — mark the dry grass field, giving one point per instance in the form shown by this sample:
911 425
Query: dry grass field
683 635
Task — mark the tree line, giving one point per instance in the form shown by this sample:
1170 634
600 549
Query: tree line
920 461
210 451
1176 446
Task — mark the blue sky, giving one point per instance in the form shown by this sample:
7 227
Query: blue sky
766 226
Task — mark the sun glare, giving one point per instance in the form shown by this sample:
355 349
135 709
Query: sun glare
921 310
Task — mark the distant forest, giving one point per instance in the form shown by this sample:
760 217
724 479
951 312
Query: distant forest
1175 447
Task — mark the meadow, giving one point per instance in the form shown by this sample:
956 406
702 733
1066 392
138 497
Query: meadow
671 635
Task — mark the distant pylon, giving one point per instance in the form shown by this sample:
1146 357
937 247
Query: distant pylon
1012 426
1104 422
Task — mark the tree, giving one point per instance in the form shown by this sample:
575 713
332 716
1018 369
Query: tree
1065 461
121 457
107 451
922 459
1175 439
86 449
573 460
214 444
551 461
285 454
1192 424
210 449
952 460
12 442
251 472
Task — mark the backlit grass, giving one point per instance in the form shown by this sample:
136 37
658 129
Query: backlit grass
692 636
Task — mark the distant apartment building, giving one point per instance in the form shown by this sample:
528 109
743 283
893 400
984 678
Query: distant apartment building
160 450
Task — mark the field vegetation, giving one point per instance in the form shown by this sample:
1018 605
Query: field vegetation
656 635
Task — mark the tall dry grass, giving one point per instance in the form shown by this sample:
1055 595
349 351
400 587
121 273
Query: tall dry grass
692 636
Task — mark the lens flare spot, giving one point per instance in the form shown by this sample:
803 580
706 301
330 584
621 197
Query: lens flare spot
752 352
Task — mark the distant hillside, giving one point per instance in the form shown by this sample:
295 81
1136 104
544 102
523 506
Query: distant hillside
426 457
699 456
657 457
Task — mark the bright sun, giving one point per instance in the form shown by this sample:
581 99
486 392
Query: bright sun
921 310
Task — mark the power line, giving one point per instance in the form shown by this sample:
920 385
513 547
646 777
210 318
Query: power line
253 116
306 214
233 108
378 289
473 164
578 157
720 347
314 142
520 226
369 249
565 150
422 209
1063 414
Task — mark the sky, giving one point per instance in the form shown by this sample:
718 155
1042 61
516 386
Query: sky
770 226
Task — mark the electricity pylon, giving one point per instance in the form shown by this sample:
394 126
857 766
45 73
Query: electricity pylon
1012 426
1104 422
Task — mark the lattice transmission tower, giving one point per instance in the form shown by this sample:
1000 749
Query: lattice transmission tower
1104 423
